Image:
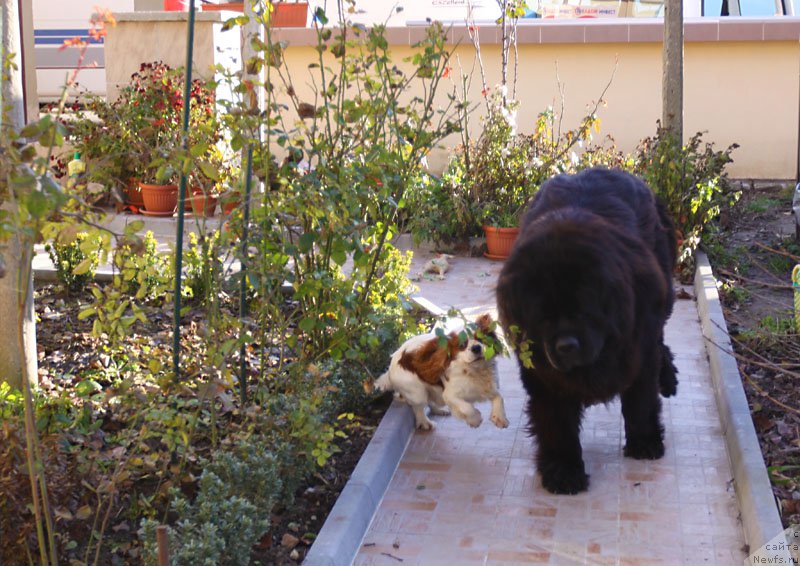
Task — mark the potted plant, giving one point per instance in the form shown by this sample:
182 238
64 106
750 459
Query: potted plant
151 114
98 133
209 173
499 176
490 180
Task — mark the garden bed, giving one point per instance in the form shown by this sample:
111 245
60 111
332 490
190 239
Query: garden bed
72 364
753 253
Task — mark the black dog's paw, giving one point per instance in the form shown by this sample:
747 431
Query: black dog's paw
644 448
565 479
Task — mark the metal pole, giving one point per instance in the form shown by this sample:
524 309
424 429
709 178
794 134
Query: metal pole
248 184
253 29
176 329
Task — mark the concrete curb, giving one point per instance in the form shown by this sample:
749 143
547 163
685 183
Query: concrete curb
341 535
760 518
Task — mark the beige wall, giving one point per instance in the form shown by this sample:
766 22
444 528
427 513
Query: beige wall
745 93
142 37
741 76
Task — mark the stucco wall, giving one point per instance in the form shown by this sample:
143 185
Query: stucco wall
162 36
741 77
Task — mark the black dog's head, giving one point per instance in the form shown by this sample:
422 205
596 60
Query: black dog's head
567 290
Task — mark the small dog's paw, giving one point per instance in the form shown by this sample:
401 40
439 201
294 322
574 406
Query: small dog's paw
644 448
425 425
499 421
564 479
474 419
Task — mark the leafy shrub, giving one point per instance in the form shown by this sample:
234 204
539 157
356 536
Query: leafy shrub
237 491
491 180
438 210
144 272
202 266
325 228
138 134
75 262
690 179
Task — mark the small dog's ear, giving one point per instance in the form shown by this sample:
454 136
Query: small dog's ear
484 323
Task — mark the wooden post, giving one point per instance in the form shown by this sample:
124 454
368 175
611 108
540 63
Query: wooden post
162 540
672 81
17 357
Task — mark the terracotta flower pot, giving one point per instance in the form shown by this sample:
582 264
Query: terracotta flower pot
499 241
134 194
159 200
203 204
176 5
285 14
229 205
232 6
290 14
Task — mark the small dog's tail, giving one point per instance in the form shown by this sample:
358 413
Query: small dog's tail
383 383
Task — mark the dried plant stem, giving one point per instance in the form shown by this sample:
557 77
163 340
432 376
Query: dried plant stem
474 36
766 395
778 252
41 506
761 361
732 275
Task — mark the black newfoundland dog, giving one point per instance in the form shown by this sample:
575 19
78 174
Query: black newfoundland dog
584 297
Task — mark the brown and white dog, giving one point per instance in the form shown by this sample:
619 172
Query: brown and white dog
426 374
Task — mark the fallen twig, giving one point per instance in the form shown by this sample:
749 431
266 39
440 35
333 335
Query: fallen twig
763 363
727 273
763 393
779 252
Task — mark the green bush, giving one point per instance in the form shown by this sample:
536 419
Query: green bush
237 491
490 181
202 266
144 273
690 179
75 262
438 208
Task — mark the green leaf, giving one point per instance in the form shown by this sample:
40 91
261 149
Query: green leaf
135 226
307 324
209 170
306 241
31 130
339 256
83 267
52 136
198 150
86 387
87 312
319 16
37 204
